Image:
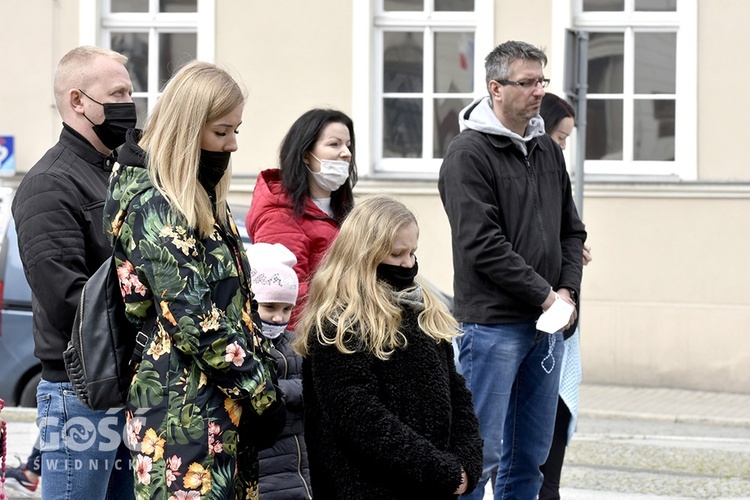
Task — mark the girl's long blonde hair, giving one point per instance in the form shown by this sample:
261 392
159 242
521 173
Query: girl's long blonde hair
197 94
346 292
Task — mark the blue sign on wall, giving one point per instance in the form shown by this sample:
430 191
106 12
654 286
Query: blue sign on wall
7 156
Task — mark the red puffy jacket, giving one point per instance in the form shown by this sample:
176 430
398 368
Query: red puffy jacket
271 219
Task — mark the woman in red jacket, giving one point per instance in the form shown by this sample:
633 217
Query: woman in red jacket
302 203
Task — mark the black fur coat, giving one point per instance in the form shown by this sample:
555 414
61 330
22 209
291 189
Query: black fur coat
396 429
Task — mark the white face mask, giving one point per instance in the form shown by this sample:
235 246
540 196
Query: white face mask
333 173
273 330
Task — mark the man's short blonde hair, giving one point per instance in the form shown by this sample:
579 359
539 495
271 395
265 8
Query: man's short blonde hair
76 71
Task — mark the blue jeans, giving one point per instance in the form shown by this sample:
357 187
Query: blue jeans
83 453
513 372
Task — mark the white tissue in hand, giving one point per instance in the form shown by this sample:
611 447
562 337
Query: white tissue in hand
556 317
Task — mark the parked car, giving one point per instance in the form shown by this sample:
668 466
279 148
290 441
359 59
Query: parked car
20 370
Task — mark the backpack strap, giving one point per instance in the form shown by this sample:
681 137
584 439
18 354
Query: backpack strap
141 339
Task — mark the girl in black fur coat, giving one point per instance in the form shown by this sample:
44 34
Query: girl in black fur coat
386 414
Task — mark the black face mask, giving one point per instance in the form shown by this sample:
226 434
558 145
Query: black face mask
212 166
119 117
397 276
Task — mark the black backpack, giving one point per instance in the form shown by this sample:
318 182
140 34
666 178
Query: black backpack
104 347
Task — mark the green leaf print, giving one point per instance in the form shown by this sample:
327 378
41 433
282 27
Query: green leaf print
188 337
186 426
126 238
233 313
158 479
167 281
193 294
222 472
229 442
215 355
225 266
146 390
138 309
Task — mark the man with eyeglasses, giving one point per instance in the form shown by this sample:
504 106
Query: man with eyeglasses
517 242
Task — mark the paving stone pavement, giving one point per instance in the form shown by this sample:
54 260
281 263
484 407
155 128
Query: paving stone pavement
596 402
677 405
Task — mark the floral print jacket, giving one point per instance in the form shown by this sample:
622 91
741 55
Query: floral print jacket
206 362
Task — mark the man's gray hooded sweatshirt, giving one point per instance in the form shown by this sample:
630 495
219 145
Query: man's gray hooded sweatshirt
515 229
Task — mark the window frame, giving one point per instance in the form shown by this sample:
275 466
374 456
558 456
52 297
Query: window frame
369 23
683 22
97 23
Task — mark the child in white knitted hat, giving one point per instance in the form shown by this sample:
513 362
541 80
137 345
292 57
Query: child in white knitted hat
284 472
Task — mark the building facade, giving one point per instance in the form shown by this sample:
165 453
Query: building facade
665 301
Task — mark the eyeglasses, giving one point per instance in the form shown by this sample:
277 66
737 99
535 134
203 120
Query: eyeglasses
526 84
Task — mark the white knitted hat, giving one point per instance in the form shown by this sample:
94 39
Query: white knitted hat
272 274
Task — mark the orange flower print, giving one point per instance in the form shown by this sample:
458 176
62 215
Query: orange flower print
153 444
251 492
235 354
197 477
160 344
142 469
167 313
120 216
234 410
247 317
179 239
212 320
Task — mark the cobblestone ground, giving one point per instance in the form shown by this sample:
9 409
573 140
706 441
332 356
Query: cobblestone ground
641 459
675 467
608 459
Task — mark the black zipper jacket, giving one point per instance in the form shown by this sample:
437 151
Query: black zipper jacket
58 211
515 228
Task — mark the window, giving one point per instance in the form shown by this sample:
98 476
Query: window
423 72
158 36
640 117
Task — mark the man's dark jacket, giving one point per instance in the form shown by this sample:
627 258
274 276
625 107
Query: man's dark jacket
515 228
58 214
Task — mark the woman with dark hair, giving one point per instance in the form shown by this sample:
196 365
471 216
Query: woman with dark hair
559 120
302 203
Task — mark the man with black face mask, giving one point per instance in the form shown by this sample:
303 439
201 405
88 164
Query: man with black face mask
58 210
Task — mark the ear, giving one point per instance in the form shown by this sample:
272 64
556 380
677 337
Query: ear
75 101
495 90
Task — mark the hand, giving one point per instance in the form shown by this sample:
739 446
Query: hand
549 300
586 254
464 483
564 294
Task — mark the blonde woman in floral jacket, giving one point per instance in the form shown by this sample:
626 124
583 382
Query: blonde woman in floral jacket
206 370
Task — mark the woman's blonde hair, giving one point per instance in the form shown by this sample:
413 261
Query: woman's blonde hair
197 94
345 290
